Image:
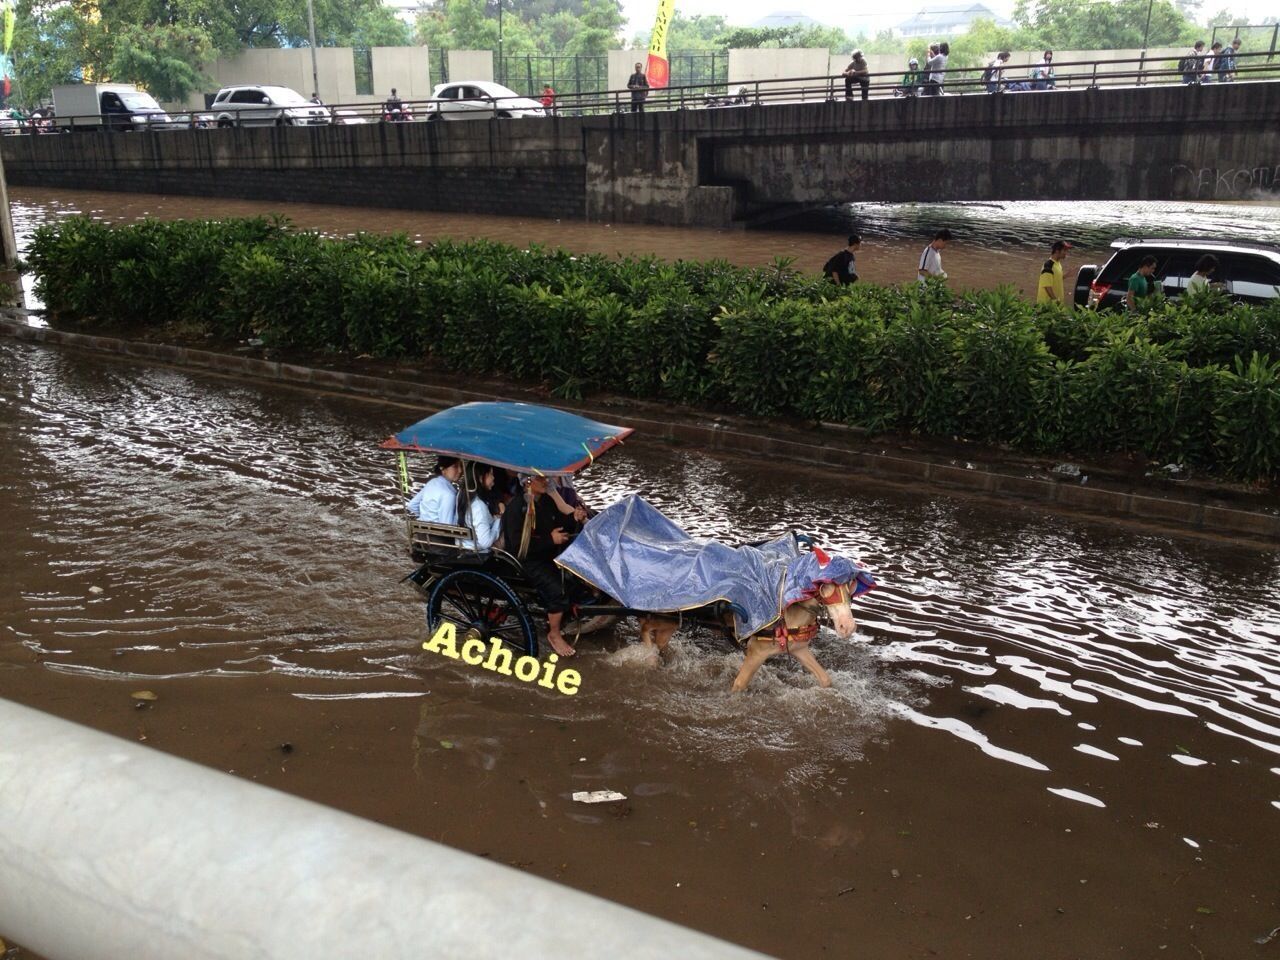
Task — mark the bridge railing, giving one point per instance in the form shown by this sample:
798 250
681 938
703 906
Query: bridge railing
1072 75
109 850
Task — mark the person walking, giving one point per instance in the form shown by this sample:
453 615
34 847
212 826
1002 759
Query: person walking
1049 287
548 99
1210 71
842 268
1141 285
1202 278
639 87
1226 62
931 258
1192 64
994 74
857 72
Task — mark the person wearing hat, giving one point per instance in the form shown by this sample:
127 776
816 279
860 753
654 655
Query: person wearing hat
910 80
1049 289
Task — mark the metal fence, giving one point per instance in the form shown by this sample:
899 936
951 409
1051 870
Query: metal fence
1254 36
572 76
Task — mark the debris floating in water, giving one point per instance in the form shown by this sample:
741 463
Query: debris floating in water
598 796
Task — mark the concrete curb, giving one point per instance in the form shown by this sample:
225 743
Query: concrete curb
715 436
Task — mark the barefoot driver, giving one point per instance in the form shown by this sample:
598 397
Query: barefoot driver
536 531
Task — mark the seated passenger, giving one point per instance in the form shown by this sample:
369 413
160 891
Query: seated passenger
437 501
535 530
479 503
565 497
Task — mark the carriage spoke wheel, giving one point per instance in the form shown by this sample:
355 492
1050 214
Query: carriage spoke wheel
481 605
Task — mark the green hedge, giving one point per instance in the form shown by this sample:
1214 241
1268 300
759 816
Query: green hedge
1196 383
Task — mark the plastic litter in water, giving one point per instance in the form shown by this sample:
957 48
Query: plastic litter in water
597 796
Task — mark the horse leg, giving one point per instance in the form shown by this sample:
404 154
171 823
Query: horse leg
802 653
656 633
759 649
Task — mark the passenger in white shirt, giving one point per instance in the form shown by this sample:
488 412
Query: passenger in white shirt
1201 279
437 501
483 508
931 257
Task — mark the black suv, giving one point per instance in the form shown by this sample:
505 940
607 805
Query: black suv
1249 274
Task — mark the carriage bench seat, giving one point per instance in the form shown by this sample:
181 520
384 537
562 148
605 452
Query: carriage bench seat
436 538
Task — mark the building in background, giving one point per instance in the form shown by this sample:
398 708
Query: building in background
948 20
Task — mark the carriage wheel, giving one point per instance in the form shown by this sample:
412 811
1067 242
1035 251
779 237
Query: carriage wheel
480 604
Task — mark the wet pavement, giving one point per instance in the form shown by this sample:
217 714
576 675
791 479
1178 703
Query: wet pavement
1052 737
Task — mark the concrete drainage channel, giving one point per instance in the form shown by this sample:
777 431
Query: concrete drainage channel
723 435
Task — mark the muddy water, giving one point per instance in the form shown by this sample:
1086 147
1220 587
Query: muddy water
995 244
1053 738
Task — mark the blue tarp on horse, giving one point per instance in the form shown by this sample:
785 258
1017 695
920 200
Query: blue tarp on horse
641 558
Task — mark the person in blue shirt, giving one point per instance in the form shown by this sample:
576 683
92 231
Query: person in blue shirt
437 501
479 503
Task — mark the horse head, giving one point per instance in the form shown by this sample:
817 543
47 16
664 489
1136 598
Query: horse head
816 581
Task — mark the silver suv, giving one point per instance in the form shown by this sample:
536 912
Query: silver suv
260 105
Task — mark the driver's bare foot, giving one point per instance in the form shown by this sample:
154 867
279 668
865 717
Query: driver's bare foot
560 645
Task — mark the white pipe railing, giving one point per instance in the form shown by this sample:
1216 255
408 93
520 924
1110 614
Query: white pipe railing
111 850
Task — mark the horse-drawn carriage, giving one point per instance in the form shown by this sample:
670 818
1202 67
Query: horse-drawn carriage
632 559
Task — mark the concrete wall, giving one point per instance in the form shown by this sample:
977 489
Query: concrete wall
715 167
622 63
402 67
470 65
755 67
405 68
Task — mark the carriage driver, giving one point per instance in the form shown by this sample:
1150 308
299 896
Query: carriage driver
536 530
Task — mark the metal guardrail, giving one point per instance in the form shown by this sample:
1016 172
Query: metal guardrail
1078 74
110 850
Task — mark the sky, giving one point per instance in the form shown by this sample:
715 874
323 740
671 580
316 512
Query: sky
863 17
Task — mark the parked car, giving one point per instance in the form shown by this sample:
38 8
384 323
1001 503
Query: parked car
11 124
1247 272
480 100
264 105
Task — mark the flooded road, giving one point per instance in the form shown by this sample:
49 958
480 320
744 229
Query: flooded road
995 244
1053 738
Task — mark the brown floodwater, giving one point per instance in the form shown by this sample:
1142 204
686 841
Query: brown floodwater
1052 738
995 243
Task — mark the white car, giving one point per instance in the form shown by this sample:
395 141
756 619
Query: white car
480 100
262 105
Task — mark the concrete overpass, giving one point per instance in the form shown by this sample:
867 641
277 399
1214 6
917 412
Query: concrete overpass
717 167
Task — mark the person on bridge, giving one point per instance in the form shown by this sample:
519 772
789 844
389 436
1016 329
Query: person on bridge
1210 72
1192 64
1227 61
842 268
994 74
935 70
857 72
1042 73
931 258
910 80
1049 287
639 87
548 99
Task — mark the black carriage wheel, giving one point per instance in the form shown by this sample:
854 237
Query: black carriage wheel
480 604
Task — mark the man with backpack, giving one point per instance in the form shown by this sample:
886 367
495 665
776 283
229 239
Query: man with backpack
993 75
1191 66
843 267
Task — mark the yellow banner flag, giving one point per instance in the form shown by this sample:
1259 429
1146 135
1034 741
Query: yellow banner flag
658 71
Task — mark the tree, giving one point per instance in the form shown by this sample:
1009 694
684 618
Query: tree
164 60
600 23
1090 25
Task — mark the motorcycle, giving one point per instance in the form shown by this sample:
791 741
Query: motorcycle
396 113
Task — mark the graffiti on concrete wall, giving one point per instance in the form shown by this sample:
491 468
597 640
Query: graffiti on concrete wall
1224 183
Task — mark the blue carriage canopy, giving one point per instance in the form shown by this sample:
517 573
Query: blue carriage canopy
524 437
642 558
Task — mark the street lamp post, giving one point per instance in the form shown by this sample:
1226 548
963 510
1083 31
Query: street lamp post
497 73
1146 31
311 28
